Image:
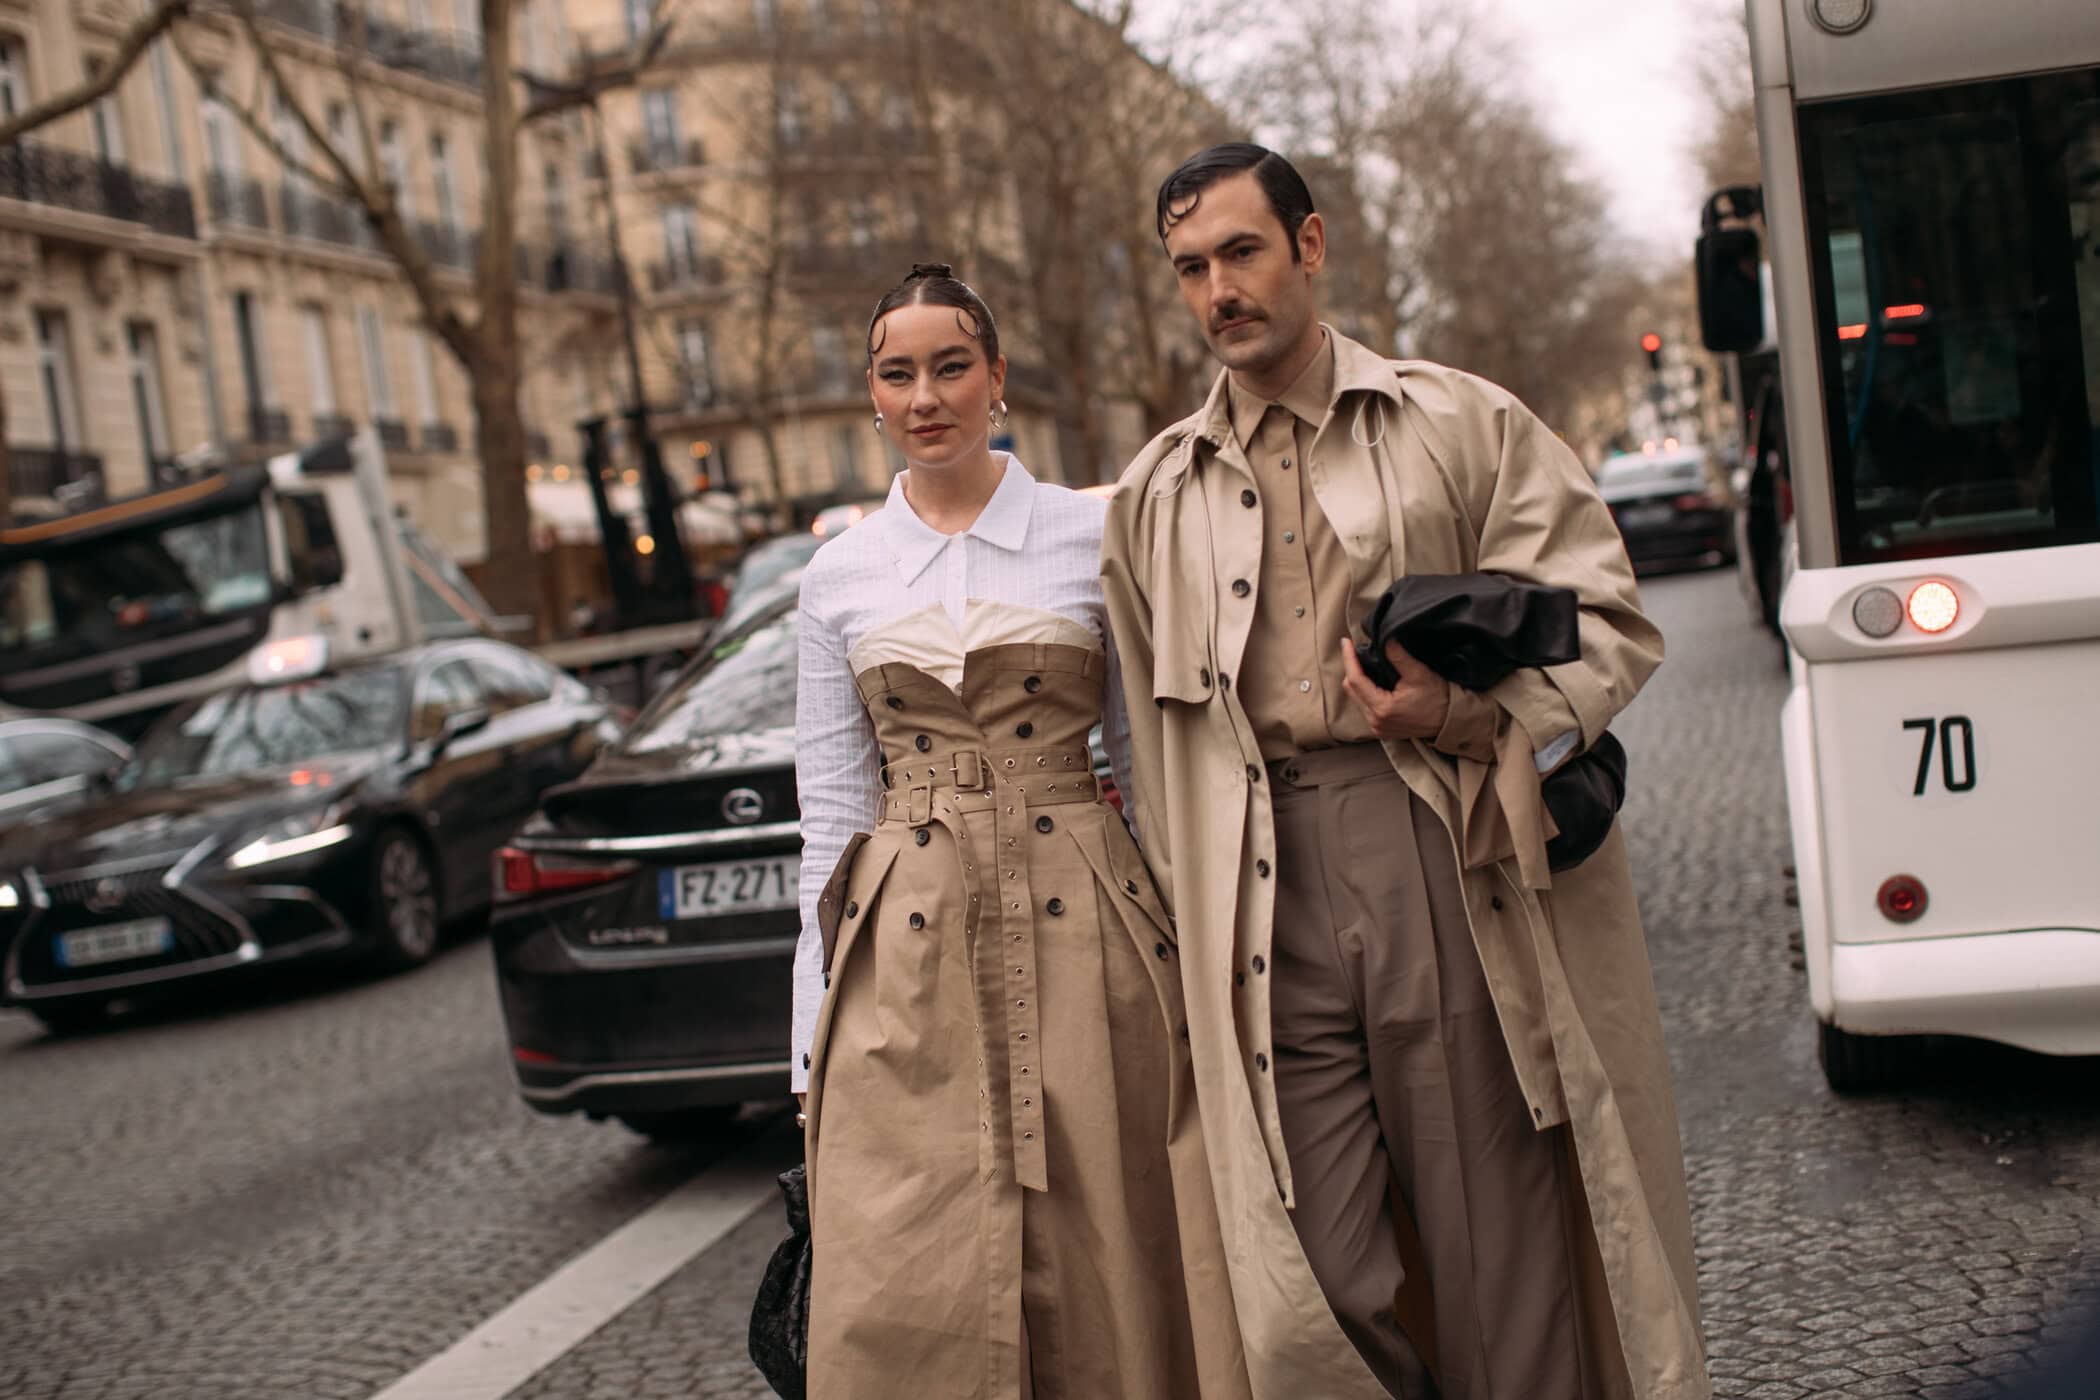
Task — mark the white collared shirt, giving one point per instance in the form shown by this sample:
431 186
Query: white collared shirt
1033 544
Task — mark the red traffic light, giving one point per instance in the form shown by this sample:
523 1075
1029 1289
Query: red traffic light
1651 342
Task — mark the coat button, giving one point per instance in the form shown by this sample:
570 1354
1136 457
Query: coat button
1130 887
1247 499
1032 684
1239 979
1224 681
1261 1062
1261 868
1160 949
1253 774
1286 464
1044 825
1495 903
895 702
1258 965
918 921
922 836
852 908
805 1062
1025 729
1241 588
1204 676
923 743
1055 906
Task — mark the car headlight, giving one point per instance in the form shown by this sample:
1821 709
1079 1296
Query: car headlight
10 897
293 836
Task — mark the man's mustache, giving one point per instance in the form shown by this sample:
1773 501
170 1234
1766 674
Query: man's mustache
1235 312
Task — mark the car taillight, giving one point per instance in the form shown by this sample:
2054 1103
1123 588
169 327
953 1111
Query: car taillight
528 874
1694 500
1901 898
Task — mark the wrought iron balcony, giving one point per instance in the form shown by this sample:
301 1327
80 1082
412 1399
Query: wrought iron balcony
569 269
393 434
333 425
850 141
63 179
448 244
269 426
680 273
236 199
424 52
651 156
440 437
40 471
306 213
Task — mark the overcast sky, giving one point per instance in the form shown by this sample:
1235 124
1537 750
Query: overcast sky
1611 77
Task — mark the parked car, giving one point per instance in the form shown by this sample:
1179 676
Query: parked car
1668 509
45 763
312 811
766 570
646 918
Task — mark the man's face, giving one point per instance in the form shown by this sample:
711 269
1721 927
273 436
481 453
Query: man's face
1233 264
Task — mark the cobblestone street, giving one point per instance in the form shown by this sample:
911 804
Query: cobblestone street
310 1189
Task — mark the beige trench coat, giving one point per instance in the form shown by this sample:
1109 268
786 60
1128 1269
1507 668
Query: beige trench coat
1420 469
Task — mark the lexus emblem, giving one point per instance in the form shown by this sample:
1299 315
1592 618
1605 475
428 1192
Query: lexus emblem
742 806
107 896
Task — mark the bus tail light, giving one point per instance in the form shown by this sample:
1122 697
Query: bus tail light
1901 899
1933 606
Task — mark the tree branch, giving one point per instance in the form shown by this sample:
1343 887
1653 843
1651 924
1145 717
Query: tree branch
137 39
550 97
245 115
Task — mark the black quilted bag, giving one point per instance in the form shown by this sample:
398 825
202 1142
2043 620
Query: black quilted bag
780 1312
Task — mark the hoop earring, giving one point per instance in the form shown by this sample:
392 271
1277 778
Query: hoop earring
878 422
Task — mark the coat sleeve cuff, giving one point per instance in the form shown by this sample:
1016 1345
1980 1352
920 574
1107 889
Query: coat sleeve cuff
1471 725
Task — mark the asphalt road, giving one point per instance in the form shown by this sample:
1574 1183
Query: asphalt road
310 1188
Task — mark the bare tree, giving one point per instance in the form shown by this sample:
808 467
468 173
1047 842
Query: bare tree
1726 152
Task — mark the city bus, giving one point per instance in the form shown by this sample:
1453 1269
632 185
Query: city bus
1930 229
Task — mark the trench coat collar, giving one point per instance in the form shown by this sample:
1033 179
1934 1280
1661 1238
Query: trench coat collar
1003 523
1357 369
1308 398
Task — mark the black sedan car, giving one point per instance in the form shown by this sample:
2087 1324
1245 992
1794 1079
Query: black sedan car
1667 510
317 811
646 917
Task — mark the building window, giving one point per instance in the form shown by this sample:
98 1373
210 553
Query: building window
469 19
557 204
766 15
144 345
320 366
394 161
164 102
681 241
871 15
108 122
844 111
373 338
441 178
247 334
14 76
862 230
694 362
791 122
896 112
660 124
419 14
845 457
222 144
426 378
54 363
827 351
638 15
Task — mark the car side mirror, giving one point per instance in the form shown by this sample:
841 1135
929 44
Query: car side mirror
1731 291
460 723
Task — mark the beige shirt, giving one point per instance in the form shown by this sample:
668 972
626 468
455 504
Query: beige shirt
1291 677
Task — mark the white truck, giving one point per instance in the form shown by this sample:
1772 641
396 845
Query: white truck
114 614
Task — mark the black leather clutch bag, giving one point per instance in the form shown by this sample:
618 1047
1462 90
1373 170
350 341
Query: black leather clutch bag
1473 630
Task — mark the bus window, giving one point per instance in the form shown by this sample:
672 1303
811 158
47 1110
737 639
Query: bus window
1958 295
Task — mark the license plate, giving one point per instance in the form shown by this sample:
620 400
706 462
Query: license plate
729 887
1644 515
141 938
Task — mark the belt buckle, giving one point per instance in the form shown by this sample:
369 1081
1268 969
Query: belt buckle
975 782
919 804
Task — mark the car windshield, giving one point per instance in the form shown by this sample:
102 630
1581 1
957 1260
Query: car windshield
254 727
134 588
1953 233
746 683
770 559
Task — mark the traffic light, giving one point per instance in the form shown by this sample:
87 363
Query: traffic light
1653 344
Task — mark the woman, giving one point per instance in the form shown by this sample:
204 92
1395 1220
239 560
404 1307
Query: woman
1007 1189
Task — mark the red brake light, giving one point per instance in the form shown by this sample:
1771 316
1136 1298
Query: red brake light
526 874
1933 606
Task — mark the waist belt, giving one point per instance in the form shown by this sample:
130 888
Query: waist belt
998 940
1346 763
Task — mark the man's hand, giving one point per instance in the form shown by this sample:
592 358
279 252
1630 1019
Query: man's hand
1413 709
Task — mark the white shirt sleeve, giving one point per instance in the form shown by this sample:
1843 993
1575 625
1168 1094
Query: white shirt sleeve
1549 757
838 781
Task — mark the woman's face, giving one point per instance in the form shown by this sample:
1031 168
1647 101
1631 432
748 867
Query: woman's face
932 386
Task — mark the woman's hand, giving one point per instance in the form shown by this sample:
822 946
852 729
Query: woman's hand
1413 709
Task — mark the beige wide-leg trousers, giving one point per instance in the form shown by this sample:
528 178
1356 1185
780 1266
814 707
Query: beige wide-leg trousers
1390 1066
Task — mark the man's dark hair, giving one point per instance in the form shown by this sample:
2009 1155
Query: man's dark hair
1289 199
936 284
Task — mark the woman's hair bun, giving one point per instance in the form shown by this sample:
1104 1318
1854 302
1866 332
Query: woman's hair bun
919 270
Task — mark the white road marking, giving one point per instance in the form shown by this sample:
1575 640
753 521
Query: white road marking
549 1319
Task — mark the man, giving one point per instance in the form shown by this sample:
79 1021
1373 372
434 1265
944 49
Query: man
1384 983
